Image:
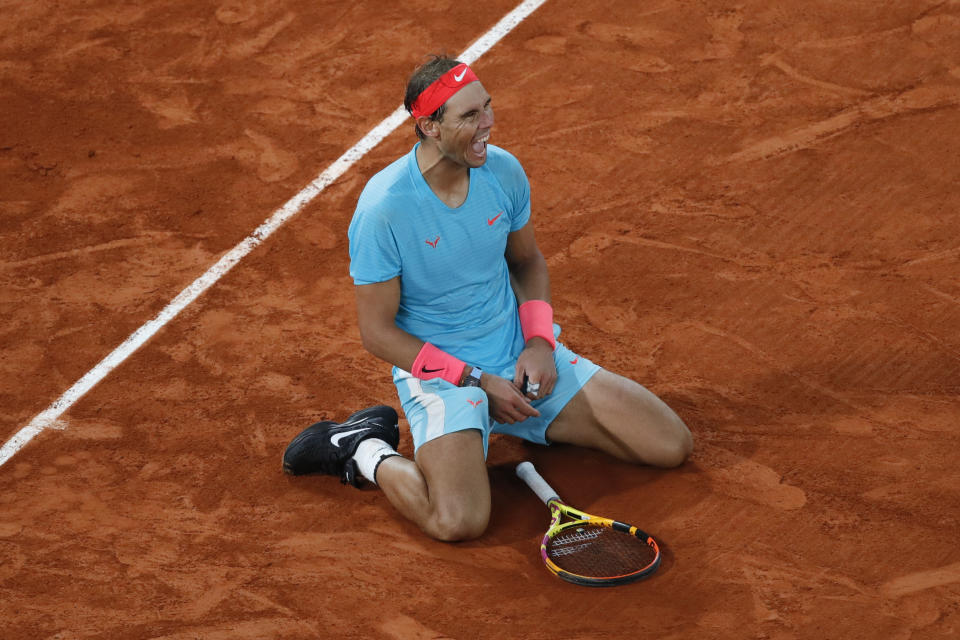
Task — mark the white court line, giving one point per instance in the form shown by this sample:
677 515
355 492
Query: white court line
46 418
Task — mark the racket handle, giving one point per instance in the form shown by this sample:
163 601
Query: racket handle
535 481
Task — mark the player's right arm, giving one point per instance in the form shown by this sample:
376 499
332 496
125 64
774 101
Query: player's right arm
377 306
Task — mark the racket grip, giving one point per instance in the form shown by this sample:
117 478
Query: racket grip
535 481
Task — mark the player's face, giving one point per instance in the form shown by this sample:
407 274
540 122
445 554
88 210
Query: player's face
466 126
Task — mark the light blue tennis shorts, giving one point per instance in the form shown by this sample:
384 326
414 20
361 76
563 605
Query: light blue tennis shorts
436 407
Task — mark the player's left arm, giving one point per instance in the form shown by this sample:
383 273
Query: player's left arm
530 280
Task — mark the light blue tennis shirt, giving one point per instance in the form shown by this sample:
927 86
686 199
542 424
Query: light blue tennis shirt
454 283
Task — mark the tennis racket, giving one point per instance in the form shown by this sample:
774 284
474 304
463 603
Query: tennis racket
586 549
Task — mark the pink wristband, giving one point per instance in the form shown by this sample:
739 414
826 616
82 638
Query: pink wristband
434 363
536 320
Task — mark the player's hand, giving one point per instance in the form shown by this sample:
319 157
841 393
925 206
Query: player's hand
536 365
507 404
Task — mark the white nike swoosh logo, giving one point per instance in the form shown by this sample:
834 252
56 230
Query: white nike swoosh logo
336 439
458 78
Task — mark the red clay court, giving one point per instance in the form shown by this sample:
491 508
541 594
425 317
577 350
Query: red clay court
751 208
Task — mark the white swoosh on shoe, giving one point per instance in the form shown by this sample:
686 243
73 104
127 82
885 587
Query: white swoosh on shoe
336 439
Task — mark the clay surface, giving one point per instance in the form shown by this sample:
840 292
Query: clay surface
750 208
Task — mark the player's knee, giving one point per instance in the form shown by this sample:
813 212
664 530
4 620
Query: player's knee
668 446
459 523
675 446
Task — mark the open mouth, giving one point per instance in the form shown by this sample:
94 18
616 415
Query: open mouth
480 145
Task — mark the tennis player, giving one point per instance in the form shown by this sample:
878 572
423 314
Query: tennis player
452 290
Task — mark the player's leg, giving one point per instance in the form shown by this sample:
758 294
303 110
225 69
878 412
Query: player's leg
446 491
621 417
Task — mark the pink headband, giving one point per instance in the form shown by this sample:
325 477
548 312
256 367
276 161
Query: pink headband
433 97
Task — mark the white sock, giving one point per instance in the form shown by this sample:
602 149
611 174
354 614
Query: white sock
369 454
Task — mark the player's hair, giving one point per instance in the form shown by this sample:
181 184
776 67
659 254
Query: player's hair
425 75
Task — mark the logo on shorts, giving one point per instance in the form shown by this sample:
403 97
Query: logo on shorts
475 403
575 360
434 243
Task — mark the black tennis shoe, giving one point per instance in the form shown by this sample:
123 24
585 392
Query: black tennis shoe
328 447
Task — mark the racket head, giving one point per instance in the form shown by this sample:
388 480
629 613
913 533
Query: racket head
597 552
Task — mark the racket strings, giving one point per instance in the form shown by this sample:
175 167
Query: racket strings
598 551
